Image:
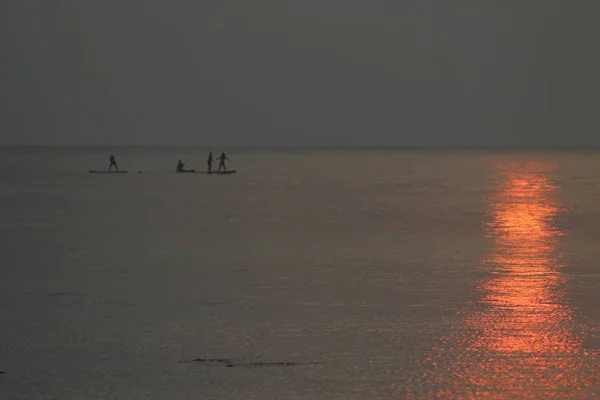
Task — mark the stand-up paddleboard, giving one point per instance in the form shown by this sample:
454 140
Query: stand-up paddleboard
189 171
233 171
107 172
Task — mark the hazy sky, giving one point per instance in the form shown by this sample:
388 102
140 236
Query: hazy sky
300 72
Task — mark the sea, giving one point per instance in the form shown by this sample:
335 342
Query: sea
308 274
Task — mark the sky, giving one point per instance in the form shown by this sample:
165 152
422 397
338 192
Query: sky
300 73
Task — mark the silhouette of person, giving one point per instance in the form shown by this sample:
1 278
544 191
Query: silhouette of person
179 166
113 162
222 159
209 161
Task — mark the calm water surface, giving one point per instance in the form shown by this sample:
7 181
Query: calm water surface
309 274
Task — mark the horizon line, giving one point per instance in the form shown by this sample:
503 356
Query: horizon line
310 147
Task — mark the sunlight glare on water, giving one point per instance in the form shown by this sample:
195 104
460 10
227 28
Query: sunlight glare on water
520 338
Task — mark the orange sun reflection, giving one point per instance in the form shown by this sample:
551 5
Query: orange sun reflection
520 339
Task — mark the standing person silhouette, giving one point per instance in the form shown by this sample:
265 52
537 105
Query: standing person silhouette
222 159
209 162
113 162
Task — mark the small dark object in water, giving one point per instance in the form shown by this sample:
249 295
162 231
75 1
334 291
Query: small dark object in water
230 364
223 360
64 294
268 364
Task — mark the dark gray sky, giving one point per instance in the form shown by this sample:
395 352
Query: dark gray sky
310 72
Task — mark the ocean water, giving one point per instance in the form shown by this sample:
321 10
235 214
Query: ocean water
309 274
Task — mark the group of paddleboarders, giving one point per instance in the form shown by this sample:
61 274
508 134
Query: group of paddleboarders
221 159
181 165
209 162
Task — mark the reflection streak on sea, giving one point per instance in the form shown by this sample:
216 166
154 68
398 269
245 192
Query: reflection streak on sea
520 338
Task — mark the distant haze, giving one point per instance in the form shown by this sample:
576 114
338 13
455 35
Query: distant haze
289 72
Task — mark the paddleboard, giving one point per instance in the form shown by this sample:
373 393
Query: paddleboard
233 171
107 172
191 171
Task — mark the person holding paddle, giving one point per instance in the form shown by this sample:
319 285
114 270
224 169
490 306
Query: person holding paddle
209 162
113 162
181 164
222 159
